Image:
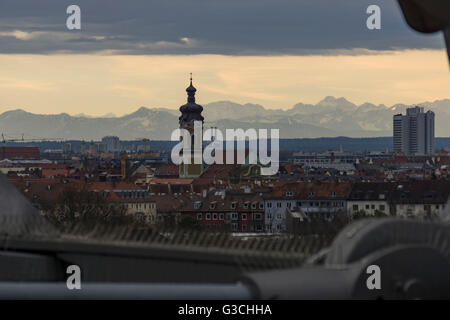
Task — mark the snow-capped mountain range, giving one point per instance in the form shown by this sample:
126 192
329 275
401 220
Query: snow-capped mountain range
331 117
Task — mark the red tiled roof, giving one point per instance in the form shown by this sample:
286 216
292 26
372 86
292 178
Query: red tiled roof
19 153
121 185
54 172
167 170
172 181
51 165
218 171
313 190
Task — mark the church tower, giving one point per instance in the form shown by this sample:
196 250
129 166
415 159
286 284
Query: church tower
190 112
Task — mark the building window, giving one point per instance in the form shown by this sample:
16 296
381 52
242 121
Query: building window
373 206
221 216
367 207
288 204
269 204
253 205
208 216
199 216
289 193
299 204
311 193
214 216
246 205
244 216
278 204
197 204
279 216
234 216
382 207
257 216
233 205
269 216
261 205
333 193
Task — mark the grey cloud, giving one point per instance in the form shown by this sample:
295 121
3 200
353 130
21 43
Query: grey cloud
232 27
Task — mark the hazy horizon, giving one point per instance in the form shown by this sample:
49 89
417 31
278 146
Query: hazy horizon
330 117
249 103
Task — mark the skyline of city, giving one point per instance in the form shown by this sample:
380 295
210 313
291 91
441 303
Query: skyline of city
225 150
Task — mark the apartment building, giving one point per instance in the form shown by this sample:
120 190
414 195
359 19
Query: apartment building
233 210
414 132
370 198
324 199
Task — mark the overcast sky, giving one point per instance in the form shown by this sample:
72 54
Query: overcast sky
235 27
273 52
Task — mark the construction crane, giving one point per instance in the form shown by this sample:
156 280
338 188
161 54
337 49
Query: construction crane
4 140
142 139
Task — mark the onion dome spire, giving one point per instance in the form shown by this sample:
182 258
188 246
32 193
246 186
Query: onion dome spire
191 92
191 111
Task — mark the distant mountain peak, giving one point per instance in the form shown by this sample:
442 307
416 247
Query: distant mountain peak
330 117
329 99
15 111
332 99
142 111
338 103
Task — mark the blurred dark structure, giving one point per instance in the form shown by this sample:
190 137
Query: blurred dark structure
428 16
120 263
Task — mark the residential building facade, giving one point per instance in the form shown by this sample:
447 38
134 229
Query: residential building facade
370 198
414 132
324 199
